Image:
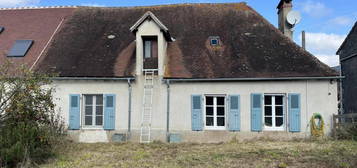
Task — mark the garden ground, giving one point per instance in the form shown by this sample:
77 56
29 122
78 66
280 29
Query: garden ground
260 153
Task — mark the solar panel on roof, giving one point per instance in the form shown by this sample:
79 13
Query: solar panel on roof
20 48
1 29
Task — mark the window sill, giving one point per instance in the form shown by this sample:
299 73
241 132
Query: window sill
215 129
92 128
274 129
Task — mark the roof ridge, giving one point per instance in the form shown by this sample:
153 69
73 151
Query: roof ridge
38 7
167 5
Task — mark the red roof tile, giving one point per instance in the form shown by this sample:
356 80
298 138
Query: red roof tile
34 24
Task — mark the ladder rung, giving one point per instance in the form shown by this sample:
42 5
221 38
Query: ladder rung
147 106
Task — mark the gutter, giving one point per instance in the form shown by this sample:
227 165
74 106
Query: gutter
254 79
129 109
168 110
348 57
93 78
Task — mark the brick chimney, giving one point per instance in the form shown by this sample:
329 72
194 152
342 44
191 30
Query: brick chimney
284 7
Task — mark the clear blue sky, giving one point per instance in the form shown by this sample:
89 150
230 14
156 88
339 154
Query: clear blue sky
326 22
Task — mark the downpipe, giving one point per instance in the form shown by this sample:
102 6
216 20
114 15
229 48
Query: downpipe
129 109
168 111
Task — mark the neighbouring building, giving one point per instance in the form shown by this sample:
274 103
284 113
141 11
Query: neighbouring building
348 62
188 72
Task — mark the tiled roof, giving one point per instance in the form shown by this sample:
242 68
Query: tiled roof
36 24
250 46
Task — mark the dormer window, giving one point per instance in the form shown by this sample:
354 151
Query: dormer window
214 40
152 37
150 52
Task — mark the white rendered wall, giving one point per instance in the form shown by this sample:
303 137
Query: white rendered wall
66 87
316 97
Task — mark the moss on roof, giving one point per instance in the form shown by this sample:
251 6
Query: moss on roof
249 45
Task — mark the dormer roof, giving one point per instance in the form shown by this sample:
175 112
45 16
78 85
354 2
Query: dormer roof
150 16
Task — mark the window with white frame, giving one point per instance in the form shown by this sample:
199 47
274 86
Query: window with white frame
93 110
215 112
274 112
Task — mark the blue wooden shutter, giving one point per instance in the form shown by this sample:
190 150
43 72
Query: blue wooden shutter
294 112
109 112
256 112
234 113
196 110
74 112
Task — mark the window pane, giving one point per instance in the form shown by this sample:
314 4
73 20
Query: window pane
209 121
89 99
267 100
268 121
268 110
99 110
109 101
88 110
147 51
209 100
220 111
20 48
279 121
279 100
99 120
279 110
88 120
214 41
99 100
220 100
209 110
220 121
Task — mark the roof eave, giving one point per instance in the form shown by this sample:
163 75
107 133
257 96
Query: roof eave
250 79
95 78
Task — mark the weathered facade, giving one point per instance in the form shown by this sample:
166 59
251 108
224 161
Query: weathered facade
222 72
348 61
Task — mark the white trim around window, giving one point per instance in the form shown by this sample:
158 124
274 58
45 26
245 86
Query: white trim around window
92 112
274 112
215 112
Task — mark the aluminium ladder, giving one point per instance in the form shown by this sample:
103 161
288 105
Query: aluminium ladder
147 106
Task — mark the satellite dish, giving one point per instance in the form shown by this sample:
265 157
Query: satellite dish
293 17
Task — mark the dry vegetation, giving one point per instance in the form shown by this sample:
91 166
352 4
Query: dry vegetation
323 153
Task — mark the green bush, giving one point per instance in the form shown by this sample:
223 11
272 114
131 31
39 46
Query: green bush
29 126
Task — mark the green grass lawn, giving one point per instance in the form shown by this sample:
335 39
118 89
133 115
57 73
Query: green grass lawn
322 153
